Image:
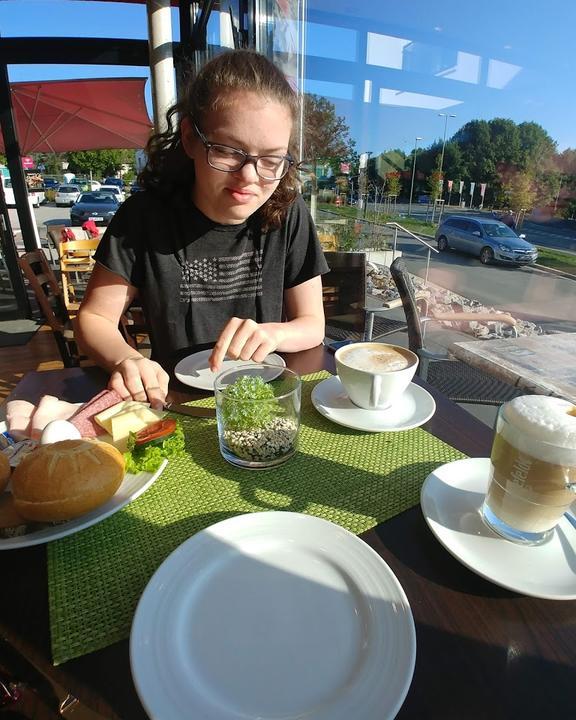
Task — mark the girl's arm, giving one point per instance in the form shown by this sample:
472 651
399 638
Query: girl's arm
131 375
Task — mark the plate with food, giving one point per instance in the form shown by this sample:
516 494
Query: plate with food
76 472
194 371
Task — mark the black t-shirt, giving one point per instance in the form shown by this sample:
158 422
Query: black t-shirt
193 274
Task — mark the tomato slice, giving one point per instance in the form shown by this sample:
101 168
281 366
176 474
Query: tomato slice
157 431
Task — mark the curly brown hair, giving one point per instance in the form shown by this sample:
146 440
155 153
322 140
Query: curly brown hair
169 169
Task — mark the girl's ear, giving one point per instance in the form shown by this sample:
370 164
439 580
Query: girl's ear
188 135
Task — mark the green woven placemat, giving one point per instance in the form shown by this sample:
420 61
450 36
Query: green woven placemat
352 478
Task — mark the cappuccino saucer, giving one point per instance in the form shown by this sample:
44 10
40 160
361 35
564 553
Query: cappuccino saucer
413 408
451 501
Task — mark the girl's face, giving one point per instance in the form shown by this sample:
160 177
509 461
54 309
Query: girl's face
248 122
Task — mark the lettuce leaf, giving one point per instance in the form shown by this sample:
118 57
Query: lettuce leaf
148 458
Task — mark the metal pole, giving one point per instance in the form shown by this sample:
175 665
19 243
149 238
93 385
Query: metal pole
161 60
445 116
413 174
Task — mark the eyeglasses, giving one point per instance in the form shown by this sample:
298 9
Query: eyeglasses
229 159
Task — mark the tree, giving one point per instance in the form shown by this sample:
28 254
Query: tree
393 185
100 162
434 185
326 139
326 135
521 192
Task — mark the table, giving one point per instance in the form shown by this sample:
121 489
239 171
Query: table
482 651
541 364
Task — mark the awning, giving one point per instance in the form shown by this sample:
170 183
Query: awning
92 114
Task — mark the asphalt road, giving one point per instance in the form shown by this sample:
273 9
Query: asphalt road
540 230
526 291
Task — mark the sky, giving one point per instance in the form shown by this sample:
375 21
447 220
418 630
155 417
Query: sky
389 67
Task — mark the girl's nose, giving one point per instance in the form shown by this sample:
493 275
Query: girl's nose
248 171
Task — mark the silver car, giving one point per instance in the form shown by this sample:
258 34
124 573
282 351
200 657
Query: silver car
486 238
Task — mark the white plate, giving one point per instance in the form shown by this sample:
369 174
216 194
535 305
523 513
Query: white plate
412 409
451 500
194 371
273 615
132 487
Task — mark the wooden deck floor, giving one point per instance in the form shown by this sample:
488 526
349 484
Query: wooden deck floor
40 353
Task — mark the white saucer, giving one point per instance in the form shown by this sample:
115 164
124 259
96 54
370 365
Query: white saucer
451 499
412 409
194 371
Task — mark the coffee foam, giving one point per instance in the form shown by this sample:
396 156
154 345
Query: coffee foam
375 358
541 426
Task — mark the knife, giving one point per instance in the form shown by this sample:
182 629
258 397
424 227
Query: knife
191 410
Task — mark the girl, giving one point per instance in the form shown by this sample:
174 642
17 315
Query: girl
219 248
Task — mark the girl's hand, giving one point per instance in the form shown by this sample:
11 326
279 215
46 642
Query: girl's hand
245 340
141 379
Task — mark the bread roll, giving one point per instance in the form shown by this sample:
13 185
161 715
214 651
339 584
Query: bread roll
4 471
66 479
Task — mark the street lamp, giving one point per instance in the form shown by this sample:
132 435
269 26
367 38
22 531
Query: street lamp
363 179
413 175
445 116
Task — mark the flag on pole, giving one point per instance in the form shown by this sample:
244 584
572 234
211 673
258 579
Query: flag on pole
450 183
482 190
472 186
461 186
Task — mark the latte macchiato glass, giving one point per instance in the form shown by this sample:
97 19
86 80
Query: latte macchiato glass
375 374
532 468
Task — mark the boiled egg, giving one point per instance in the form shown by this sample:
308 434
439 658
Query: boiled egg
57 430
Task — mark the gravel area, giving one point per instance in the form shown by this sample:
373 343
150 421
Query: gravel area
268 443
381 286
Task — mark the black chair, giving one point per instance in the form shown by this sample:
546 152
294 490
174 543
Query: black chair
344 297
455 379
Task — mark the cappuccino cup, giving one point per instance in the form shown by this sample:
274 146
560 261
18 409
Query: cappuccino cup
375 374
532 468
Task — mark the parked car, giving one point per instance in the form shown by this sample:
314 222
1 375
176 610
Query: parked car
98 206
487 238
66 195
135 188
114 181
424 199
114 189
50 183
87 185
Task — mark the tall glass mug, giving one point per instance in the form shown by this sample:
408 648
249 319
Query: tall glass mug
532 468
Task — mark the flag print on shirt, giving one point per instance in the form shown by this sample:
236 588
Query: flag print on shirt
214 279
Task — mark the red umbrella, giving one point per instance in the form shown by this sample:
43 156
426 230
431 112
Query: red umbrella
92 114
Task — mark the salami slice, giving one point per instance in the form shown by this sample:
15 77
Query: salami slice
83 419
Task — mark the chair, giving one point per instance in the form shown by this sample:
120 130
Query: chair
76 264
43 282
344 298
455 379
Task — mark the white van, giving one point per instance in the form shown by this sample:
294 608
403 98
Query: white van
35 197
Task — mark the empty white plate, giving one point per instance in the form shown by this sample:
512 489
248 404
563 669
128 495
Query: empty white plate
451 500
273 615
194 371
413 408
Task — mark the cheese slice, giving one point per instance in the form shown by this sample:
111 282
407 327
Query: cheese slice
131 420
104 418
